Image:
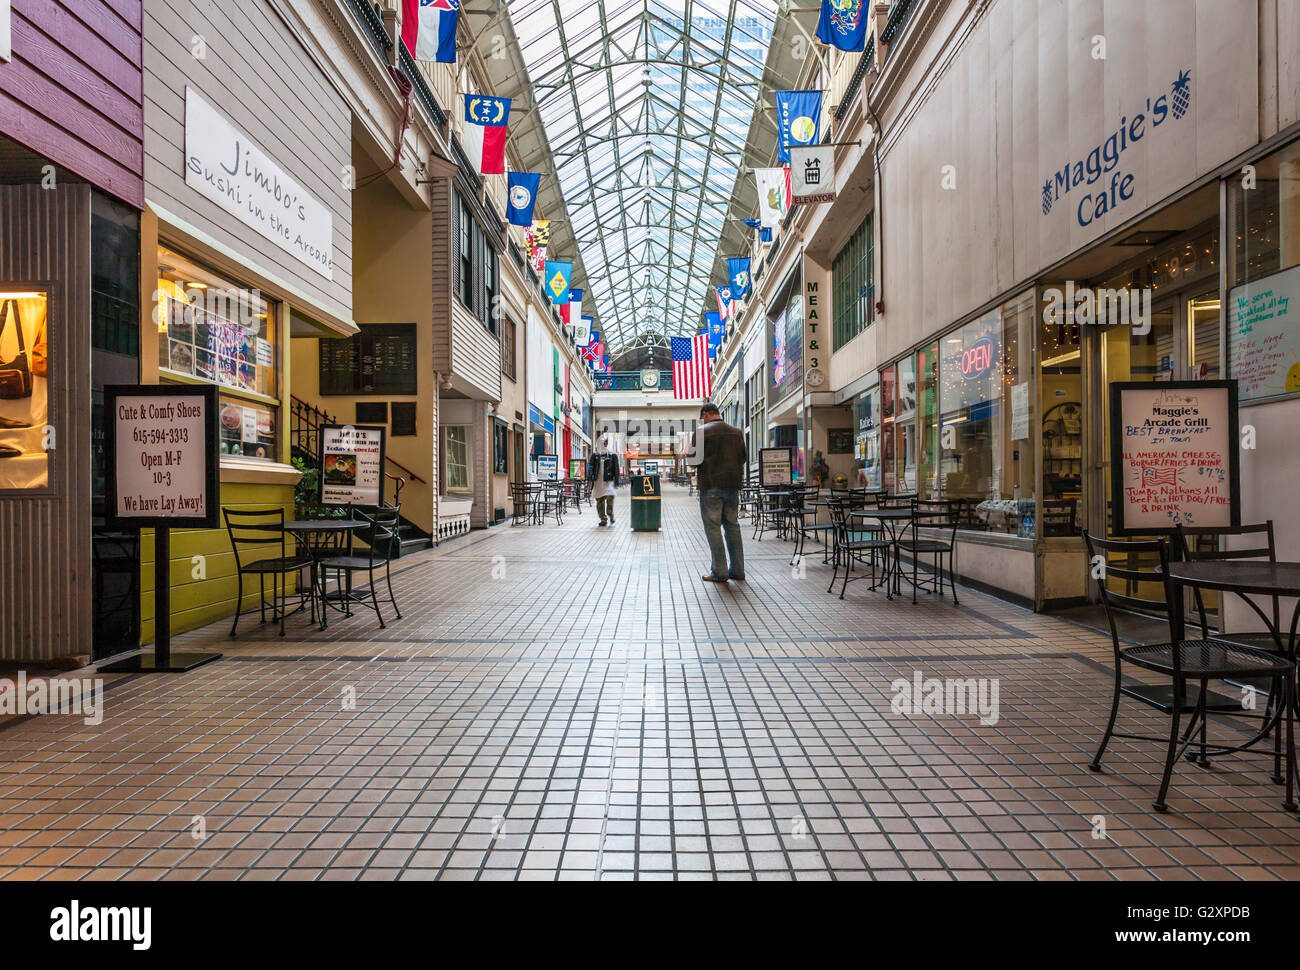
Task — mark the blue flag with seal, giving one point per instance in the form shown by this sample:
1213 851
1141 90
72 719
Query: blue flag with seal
843 24
738 270
522 195
798 120
558 276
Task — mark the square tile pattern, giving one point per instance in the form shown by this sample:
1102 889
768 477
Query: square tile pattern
572 702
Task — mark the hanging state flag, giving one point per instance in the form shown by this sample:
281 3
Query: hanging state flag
773 195
764 235
812 175
558 274
843 24
691 378
725 305
798 120
537 239
582 331
738 270
522 196
575 306
485 132
429 29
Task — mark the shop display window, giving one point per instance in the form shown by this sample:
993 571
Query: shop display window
1263 338
987 419
215 331
24 390
1060 403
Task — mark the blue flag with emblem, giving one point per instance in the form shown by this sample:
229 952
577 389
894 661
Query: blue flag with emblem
522 196
713 322
798 121
843 24
558 275
738 271
764 234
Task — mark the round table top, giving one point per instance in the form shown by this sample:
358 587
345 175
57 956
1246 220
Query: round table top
323 525
1240 576
895 513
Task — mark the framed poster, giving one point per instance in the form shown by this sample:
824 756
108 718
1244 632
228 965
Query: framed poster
372 412
548 467
352 465
160 452
578 468
775 466
839 441
1174 456
403 419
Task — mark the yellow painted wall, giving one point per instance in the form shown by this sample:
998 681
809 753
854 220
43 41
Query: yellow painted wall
196 602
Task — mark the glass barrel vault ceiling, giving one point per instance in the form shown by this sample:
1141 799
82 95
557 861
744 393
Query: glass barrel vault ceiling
647 106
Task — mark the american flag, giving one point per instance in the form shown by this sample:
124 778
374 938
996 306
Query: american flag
691 377
1160 476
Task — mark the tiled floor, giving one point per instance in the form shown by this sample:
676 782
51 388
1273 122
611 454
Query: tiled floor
572 702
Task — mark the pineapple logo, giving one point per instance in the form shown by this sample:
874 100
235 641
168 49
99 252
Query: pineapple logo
1180 94
1047 197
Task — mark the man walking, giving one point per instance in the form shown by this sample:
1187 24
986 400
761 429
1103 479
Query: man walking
718 454
602 472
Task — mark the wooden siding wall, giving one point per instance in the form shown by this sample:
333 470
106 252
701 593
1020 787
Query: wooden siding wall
255 72
73 89
444 244
45 582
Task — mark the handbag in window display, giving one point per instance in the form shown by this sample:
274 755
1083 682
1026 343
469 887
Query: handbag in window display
23 392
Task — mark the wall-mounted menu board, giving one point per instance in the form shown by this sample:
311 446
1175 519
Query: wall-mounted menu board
1264 335
1174 456
381 359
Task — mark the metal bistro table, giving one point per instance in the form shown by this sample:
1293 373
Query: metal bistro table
321 538
1246 578
895 523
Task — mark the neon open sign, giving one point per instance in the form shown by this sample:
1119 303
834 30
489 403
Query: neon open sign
977 359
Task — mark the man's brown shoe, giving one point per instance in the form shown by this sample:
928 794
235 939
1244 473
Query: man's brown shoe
710 578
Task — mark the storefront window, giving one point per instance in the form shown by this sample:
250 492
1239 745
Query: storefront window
214 331
867 447
24 391
1061 405
987 417
927 422
906 444
1263 338
787 349
888 405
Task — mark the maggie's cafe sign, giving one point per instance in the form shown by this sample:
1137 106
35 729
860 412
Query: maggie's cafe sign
1098 179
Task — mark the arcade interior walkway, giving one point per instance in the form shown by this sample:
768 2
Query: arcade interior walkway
573 702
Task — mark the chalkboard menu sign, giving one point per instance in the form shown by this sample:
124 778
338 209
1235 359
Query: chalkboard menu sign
1175 457
378 360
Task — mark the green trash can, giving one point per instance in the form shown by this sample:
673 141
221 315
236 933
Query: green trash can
646 511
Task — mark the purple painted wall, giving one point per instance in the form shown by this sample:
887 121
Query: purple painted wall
74 91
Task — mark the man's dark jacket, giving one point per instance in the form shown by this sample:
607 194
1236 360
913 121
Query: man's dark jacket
721 458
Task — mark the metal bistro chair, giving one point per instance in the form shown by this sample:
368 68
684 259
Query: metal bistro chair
852 546
909 540
380 534
768 512
1182 660
798 515
521 503
253 533
1197 547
